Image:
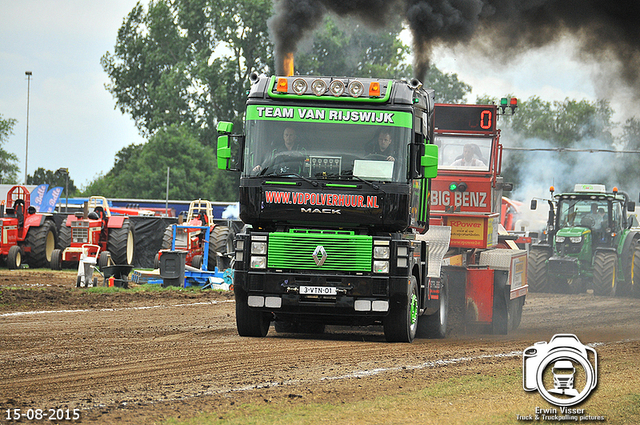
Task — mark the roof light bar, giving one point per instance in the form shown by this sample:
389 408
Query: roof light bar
356 88
318 87
336 88
299 86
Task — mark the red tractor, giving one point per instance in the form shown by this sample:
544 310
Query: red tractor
25 232
112 233
192 240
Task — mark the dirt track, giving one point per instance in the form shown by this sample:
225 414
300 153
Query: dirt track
139 358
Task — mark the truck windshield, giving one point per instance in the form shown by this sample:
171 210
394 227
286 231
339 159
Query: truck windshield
463 153
319 150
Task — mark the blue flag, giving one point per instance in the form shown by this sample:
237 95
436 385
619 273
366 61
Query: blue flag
51 199
37 196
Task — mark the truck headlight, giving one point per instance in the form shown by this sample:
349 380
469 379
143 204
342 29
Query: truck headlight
381 252
560 239
258 262
259 248
380 266
576 239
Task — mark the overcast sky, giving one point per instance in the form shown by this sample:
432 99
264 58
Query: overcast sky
72 120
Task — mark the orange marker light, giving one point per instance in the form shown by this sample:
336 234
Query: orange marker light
514 101
615 189
374 89
282 85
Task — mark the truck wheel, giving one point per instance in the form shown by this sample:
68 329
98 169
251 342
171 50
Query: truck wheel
56 259
435 325
401 323
515 313
537 270
500 322
120 244
219 244
604 273
635 274
42 241
64 238
249 322
14 258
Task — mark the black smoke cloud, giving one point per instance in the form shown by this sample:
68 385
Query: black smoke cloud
606 31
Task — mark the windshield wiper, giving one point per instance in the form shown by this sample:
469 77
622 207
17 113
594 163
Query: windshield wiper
290 173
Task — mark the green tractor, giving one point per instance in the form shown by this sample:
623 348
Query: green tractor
590 242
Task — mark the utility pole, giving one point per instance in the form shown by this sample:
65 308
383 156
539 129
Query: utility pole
26 155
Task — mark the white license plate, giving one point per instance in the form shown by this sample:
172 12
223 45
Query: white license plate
318 290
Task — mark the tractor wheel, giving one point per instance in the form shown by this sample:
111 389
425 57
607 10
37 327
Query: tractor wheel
196 262
604 273
56 259
219 243
401 323
166 238
537 270
42 241
120 244
625 288
435 325
635 273
64 237
103 259
249 322
14 258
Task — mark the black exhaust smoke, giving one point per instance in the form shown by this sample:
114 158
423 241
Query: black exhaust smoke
606 31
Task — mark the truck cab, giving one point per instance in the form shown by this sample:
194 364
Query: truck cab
332 214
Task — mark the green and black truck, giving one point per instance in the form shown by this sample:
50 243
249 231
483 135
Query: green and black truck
334 187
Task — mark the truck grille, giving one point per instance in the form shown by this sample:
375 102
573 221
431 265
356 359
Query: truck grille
344 251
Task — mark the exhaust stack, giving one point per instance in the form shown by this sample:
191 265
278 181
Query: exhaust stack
287 64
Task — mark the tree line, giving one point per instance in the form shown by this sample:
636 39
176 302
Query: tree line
178 67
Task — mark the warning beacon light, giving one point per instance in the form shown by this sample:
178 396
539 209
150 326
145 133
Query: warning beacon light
511 103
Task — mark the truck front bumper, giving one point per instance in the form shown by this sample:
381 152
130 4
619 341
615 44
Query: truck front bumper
339 298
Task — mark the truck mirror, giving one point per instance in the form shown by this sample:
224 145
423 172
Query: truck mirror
224 152
534 204
507 187
631 206
429 161
230 149
225 127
